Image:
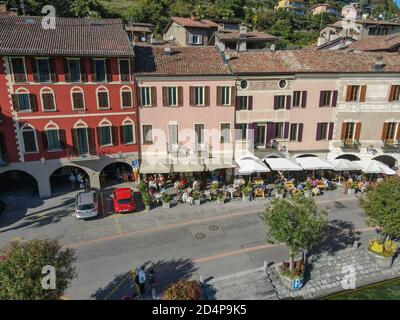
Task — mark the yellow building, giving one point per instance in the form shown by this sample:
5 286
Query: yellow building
297 6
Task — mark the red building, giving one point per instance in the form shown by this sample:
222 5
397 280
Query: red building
66 97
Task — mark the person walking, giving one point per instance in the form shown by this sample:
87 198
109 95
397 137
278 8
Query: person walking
79 180
135 278
142 280
72 180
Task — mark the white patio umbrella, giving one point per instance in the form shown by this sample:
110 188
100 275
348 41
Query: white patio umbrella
250 164
344 165
374 166
282 164
313 163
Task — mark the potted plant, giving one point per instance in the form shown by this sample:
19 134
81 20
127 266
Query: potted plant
220 198
300 224
352 188
196 197
142 187
246 192
146 200
383 252
166 199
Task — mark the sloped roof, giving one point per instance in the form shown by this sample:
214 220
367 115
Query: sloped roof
311 61
72 37
183 61
251 35
377 43
188 22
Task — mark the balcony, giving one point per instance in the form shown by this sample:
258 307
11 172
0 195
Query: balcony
351 145
391 146
75 154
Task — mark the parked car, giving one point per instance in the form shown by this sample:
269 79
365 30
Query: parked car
86 205
123 200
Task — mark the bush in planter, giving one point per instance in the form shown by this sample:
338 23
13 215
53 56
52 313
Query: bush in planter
381 205
166 198
387 249
297 222
246 189
196 195
297 272
220 197
146 199
182 290
142 187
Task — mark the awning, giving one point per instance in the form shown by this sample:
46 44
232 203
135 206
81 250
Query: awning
250 164
374 166
156 167
344 165
218 164
282 164
313 163
187 167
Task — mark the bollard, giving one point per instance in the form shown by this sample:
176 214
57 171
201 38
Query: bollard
355 245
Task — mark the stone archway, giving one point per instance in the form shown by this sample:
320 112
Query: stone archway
306 155
115 173
18 183
60 182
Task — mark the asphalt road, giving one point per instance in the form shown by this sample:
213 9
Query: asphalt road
210 241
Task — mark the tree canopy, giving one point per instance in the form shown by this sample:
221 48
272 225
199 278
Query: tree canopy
21 267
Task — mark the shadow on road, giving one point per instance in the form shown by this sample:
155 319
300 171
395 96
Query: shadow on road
165 273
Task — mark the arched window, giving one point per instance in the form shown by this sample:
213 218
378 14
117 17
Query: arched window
77 98
53 137
128 132
105 133
23 100
29 139
126 97
103 101
48 99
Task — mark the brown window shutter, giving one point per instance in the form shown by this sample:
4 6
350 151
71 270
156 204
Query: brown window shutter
398 132
363 93
348 93
233 95
63 138
74 134
53 73
93 70
219 97
165 99
114 133
92 143
343 133
391 94
180 96
66 71
207 96
358 131
33 101
34 70
153 96
98 133
121 135
45 141
191 96
108 70
15 102
137 97
82 62
384 131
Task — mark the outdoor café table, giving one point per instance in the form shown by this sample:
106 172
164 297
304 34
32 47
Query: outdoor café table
231 191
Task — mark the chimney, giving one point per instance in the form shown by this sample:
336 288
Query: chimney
227 58
272 48
3 7
379 64
13 12
167 51
193 16
243 31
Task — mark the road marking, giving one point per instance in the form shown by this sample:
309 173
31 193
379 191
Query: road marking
178 225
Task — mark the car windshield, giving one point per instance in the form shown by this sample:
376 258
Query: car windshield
88 206
124 201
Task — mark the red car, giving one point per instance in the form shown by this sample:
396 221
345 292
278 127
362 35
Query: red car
123 200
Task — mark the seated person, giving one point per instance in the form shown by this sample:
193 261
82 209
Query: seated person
315 191
300 187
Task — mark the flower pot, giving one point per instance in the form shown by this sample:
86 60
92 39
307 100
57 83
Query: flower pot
384 262
197 202
147 207
166 205
245 198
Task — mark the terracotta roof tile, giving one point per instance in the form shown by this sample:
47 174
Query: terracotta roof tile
311 61
188 22
72 36
152 61
251 35
377 43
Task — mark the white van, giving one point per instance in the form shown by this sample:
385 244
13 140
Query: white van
86 205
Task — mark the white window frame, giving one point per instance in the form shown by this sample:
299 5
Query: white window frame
130 122
176 96
29 127
38 71
78 90
203 96
103 89
148 96
21 91
199 38
221 132
126 89
106 123
223 95
12 69
47 90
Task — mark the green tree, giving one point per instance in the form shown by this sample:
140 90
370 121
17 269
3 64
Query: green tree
182 290
21 267
382 207
297 222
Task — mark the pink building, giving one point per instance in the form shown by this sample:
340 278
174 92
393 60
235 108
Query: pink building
187 115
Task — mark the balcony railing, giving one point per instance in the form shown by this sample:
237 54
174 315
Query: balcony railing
391 146
76 154
351 145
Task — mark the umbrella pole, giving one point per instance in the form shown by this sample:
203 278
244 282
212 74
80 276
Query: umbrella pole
340 173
